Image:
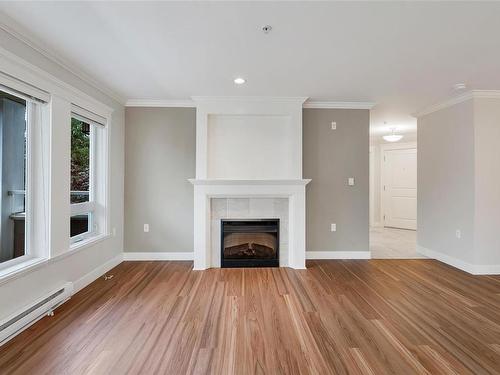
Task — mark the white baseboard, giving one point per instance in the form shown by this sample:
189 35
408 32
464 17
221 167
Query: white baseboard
93 275
338 255
158 256
474 269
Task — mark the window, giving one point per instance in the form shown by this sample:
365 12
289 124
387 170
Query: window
87 196
13 176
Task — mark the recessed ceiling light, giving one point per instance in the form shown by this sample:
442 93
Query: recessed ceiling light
239 81
459 86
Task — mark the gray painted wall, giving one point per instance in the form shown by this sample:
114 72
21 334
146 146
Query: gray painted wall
445 199
159 158
330 157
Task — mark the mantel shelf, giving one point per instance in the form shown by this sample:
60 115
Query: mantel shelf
195 181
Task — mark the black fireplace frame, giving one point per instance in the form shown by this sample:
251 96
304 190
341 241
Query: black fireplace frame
245 225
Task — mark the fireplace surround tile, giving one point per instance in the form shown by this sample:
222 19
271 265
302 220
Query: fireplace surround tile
219 208
238 208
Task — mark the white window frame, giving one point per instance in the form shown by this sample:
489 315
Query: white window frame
96 206
30 254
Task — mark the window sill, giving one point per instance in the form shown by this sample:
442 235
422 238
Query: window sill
83 244
22 268
19 269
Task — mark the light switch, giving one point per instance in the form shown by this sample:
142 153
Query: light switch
350 181
334 125
146 228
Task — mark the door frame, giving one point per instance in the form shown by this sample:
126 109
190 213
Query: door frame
390 147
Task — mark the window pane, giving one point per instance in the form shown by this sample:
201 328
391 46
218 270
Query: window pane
80 161
80 224
13 176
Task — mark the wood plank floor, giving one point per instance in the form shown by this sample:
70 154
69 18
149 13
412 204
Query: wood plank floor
337 317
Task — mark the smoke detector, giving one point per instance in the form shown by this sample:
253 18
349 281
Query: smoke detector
267 29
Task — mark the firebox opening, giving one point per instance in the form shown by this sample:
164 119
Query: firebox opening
250 243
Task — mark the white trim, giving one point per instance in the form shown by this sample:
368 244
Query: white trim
338 255
158 256
180 103
33 264
89 117
22 37
82 208
21 69
20 268
202 181
93 275
163 103
22 89
483 94
474 269
377 224
371 184
247 99
339 105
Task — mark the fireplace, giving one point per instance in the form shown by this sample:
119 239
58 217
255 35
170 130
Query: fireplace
250 243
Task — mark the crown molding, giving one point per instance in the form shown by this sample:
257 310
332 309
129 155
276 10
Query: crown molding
33 75
160 103
25 39
474 94
198 99
486 94
272 99
339 105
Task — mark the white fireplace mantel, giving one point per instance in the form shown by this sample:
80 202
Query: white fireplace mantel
294 190
249 147
195 181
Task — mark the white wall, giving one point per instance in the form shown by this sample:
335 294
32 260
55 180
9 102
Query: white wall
250 147
459 183
87 263
229 128
445 197
487 180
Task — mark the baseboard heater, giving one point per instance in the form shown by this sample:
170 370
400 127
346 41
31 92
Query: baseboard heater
22 319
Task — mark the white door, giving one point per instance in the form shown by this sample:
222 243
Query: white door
400 188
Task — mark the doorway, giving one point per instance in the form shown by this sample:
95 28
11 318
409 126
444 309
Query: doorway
393 200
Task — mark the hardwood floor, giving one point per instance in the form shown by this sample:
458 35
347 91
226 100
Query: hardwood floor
337 317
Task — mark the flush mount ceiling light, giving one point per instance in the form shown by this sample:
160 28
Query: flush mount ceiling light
267 29
392 137
239 81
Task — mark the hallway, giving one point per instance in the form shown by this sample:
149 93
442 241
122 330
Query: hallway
392 243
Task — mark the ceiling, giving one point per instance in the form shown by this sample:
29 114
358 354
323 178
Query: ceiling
403 56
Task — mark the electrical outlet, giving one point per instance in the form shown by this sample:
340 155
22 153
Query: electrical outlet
458 233
146 228
350 181
333 227
334 125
